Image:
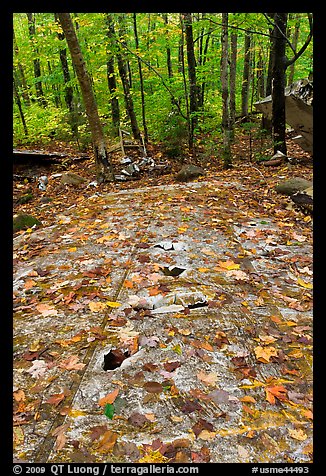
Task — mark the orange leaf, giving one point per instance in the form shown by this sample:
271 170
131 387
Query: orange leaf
109 398
278 392
154 292
248 399
128 284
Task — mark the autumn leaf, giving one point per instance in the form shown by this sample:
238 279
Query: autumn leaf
59 432
46 310
208 379
72 363
96 306
299 435
303 283
264 354
109 398
228 265
107 441
153 387
19 395
278 392
113 304
55 399
248 399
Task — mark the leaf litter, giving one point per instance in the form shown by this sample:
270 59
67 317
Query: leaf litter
237 367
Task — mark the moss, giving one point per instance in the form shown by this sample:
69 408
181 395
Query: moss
25 198
23 221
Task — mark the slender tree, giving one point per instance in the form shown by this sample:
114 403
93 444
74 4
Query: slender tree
141 80
233 72
227 160
102 160
36 61
168 49
19 105
192 77
115 108
123 72
246 75
25 89
278 82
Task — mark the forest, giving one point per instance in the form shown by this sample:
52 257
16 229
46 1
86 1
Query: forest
163 210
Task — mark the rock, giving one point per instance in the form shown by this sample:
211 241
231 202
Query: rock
189 172
72 179
304 199
23 221
293 185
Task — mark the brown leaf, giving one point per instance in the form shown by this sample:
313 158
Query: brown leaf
107 441
153 387
55 399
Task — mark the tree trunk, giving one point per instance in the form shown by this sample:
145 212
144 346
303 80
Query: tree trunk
141 81
227 161
245 79
115 109
103 163
295 39
168 49
25 94
278 82
233 71
192 77
18 102
126 89
36 62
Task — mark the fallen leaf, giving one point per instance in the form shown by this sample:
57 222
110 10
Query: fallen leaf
96 306
278 392
207 435
109 398
299 435
113 304
19 395
228 265
107 441
46 310
72 363
264 354
208 379
38 368
153 387
55 399
304 284
248 399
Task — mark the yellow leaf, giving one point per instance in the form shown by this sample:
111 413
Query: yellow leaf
302 283
207 435
263 354
228 265
298 435
203 270
29 230
113 304
72 249
104 238
153 457
96 306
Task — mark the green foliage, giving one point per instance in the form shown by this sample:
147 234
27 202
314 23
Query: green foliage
164 123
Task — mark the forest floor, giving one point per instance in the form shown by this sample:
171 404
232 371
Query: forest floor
165 322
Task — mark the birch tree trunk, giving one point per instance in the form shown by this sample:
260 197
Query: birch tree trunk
102 160
227 161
